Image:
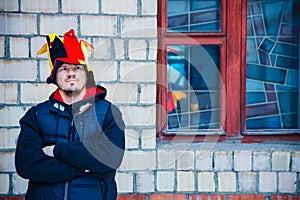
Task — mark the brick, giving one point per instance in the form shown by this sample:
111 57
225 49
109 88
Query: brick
137 49
23 70
287 182
124 182
8 93
247 181
138 115
261 161
167 197
152 50
139 27
131 139
144 182
119 48
36 43
149 7
4 183
122 93
280 161
246 197
57 24
138 160
79 6
119 7
18 24
147 93
166 159
285 197
206 182
131 197
296 161
10 115
267 182
207 197
7 163
204 160
9 5
138 71
165 181
44 91
185 181
148 139
12 197
242 161
185 160
226 182
39 6
102 25
19 184
102 48
223 161
44 70
8 137
104 71
2 47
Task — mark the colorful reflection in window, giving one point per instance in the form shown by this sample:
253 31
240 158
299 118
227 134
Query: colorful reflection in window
193 100
273 64
193 15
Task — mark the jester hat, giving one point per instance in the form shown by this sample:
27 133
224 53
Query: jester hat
69 51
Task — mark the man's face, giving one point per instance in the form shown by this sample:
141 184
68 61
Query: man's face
71 78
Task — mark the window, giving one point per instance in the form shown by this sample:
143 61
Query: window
228 68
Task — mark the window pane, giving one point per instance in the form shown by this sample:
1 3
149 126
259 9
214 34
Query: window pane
193 15
193 87
272 64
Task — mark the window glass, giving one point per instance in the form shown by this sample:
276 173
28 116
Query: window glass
193 15
193 98
272 87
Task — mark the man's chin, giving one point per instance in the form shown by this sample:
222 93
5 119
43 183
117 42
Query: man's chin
72 91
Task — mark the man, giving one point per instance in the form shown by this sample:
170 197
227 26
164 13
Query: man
70 146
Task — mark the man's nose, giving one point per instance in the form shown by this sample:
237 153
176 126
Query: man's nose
71 71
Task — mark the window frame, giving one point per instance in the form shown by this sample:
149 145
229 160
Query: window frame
232 41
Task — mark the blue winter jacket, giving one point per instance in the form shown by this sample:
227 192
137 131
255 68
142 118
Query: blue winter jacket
89 146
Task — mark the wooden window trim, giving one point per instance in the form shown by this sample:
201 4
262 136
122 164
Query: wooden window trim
232 40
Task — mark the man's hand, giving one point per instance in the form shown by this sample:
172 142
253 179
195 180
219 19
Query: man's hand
48 150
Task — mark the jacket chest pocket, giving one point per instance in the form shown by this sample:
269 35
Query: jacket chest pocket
87 126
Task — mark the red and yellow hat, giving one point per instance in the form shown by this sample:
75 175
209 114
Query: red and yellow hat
69 50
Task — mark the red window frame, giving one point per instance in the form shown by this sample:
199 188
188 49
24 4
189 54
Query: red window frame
232 40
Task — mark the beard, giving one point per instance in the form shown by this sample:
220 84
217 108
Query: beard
71 92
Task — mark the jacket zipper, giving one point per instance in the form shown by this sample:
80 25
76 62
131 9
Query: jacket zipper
67 182
66 190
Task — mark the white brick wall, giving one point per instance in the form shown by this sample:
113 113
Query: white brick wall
165 181
79 6
206 182
57 24
4 183
98 25
39 6
267 182
128 7
9 5
19 47
18 70
185 181
16 24
8 93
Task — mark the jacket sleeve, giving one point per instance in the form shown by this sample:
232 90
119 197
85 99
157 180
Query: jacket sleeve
30 160
100 155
